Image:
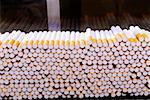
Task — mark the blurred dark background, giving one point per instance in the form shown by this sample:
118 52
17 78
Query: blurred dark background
26 8
25 15
30 15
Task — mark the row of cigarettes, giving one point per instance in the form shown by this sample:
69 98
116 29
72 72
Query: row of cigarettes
87 64
71 40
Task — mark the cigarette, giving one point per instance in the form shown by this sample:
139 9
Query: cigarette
77 40
82 40
67 40
62 40
72 40
57 43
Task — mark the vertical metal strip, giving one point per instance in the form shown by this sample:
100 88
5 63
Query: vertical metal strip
53 12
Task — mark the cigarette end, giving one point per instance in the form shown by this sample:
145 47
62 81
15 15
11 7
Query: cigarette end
26 43
57 42
17 43
12 41
31 42
72 43
47 42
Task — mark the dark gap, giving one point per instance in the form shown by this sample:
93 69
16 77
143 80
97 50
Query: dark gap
114 66
146 84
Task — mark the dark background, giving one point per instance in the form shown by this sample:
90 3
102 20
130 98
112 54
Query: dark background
37 8
16 8
101 7
75 14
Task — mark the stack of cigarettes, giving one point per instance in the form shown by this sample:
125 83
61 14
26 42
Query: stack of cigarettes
66 64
